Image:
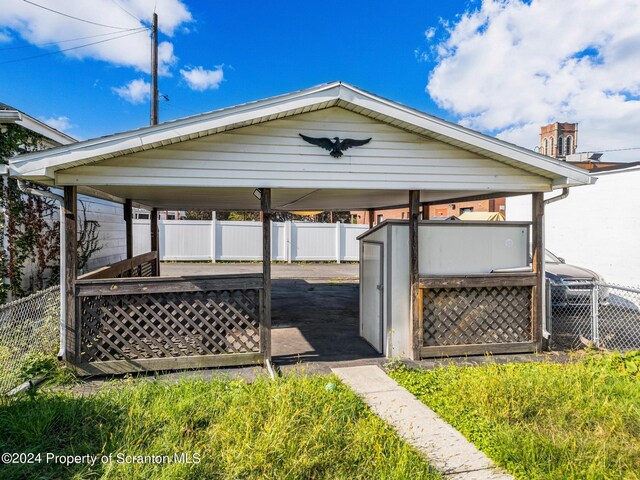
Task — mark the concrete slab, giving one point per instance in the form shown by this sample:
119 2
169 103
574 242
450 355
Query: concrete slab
445 448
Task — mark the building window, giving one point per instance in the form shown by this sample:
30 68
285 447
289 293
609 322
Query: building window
560 144
142 216
379 218
171 216
568 146
551 150
403 214
465 210
546 147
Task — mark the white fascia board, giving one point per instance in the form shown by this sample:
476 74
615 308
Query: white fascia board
465 135
47 162
46 131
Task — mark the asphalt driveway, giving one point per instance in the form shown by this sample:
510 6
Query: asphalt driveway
315 310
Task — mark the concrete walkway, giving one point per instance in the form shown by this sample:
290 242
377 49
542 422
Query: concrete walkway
445 448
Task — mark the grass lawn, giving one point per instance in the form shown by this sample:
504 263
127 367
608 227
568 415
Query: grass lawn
543 420
291 428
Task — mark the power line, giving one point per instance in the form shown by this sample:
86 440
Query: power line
616 149
69 40
75 18
126 11
71 48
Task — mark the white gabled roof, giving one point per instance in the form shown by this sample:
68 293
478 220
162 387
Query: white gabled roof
43 165
9 114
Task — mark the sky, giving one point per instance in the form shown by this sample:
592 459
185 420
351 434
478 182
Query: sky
502 67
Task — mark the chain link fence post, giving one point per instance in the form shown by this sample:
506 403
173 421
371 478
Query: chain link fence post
595 301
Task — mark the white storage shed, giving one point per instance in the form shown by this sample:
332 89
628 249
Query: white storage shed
476 277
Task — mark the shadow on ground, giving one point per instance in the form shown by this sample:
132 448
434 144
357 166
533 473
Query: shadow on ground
316 322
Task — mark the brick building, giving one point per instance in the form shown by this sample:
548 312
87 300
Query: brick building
558 140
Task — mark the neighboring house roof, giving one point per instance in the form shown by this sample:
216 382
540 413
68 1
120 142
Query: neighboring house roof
483 216
42 166
10 114
614 168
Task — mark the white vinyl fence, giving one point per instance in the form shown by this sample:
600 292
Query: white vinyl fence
214 240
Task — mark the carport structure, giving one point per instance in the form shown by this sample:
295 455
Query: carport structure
124 317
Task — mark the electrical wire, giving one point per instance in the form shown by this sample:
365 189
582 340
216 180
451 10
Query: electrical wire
71 48
126 11
75 18
615 149
69 40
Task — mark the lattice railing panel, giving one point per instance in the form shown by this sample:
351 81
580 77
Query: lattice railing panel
478 315
173 324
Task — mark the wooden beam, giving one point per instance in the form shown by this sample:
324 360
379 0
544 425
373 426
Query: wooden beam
479 281
473 198
128 218
477 349
414 276
265 327
537 253
370 213
173 363
155 240
71 273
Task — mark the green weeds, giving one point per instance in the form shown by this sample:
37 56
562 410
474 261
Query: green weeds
542 420
292 428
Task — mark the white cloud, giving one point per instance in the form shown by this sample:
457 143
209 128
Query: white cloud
62 124
200 79
5 36
429 33
39 26
136 91
509 67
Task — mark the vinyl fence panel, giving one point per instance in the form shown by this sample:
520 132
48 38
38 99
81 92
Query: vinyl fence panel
239 241
242 241
182 240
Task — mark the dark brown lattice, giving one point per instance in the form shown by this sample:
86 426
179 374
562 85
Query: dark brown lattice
164 325
479 315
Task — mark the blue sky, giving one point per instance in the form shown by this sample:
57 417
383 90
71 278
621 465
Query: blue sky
503 67
265 49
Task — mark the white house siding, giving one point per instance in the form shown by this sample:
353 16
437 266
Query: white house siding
596 226
112 231
273 155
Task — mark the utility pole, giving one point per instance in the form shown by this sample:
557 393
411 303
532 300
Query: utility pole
154 71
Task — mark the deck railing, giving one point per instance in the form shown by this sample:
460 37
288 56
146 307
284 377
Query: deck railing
128 320
476 314
145 265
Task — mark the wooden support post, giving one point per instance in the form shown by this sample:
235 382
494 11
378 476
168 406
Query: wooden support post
370 213
414 311
155 240
537 251
425 212
72 326
128 218
265 330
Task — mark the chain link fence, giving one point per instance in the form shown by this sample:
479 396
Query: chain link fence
28 326
582 313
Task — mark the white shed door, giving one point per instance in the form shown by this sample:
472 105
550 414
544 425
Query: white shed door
371 289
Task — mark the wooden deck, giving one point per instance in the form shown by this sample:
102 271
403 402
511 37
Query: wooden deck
137 322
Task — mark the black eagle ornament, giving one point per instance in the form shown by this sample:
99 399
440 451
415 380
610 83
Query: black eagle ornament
335 146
